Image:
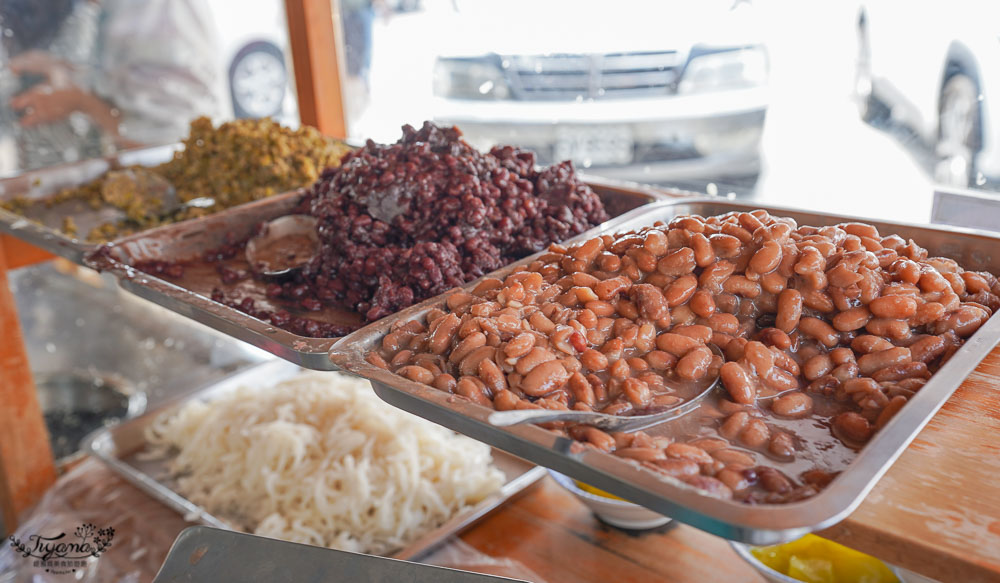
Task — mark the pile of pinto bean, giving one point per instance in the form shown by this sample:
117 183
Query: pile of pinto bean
837 326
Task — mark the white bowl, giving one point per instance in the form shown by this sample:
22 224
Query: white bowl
615 512
770 574
775 577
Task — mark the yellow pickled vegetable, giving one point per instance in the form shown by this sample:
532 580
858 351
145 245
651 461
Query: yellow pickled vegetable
816 560
596 491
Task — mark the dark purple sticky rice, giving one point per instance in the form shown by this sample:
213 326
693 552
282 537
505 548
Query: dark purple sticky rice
403 222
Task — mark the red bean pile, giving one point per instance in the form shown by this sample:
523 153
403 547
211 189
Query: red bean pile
821 327
403 222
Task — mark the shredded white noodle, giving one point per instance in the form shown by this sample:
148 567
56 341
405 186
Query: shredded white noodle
319 459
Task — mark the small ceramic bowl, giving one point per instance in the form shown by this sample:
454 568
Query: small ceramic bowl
614 512
773 576
770 574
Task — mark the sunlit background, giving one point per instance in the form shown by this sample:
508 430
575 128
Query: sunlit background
859 108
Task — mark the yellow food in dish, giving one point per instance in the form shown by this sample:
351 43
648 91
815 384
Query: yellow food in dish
596 491
817 560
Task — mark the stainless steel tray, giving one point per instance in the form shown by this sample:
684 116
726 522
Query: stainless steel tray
208 555
754 524
120 447
42 226
192 298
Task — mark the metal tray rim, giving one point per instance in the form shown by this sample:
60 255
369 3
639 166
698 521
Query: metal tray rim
308 352
761 524
100 444
54 240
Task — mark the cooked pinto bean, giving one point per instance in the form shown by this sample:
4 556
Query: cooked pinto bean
789 310
676 344
737 381
820 330
793 404
893 307
852 319
688 452
817 366
874 361
544 378
928 348
694 364
622 323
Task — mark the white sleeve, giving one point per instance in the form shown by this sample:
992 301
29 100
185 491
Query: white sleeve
160 66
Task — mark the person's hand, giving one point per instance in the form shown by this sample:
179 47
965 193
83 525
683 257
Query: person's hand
45 104
55 71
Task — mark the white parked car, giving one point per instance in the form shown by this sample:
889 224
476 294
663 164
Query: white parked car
935 68
638 89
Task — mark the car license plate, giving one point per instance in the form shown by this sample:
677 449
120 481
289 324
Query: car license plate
599 145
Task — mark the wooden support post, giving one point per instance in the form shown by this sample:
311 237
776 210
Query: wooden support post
312 26
17 253
26 465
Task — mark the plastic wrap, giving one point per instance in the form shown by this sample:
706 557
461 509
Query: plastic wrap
143 531
90 494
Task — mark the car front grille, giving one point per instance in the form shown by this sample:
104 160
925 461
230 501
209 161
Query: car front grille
600 76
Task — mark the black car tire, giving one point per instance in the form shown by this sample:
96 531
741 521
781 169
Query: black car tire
261 53
959 130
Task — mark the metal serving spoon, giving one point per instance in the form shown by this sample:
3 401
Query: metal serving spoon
121 187
283 246
603 420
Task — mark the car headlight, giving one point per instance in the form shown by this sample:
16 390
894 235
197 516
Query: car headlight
458 78
729 69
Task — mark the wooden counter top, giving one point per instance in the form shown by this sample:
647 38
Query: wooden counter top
556 536
546 530
937 509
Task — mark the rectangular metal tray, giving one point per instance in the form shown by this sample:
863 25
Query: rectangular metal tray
754 524
120 447
208 555
191 239
44 227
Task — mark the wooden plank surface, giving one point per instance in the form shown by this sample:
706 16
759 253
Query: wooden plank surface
937 510
26 465
552 533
